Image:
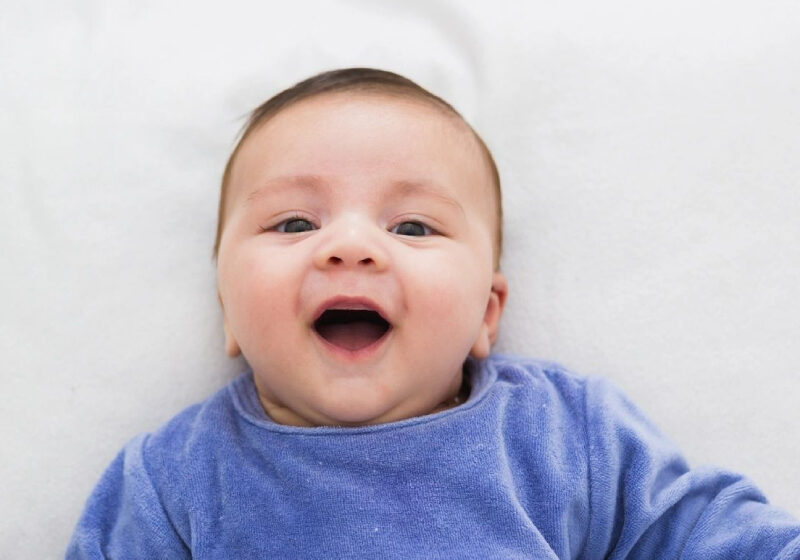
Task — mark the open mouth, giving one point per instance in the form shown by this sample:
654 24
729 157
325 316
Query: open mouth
351 329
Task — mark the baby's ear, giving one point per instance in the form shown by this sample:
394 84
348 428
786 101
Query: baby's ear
491 318
231 346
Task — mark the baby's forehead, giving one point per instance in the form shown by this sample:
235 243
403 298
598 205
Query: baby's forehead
365 127
415 108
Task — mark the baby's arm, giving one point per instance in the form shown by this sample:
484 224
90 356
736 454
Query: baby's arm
124 517
646 503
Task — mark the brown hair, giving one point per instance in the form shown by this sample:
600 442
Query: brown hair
352 79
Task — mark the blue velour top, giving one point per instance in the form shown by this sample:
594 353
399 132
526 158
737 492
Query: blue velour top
538 463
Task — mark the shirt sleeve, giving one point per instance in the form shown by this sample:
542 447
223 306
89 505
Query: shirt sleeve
645 502
123 517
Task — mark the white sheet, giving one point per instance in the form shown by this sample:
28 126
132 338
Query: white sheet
649 160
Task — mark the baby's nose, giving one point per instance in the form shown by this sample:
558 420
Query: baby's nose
352 243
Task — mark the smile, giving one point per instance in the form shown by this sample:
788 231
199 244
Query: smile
351 327
352 330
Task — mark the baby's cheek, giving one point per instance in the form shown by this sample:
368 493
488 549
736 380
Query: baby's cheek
264 298
453 303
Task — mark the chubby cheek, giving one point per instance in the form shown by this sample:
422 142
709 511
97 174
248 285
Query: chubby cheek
448 299
259 301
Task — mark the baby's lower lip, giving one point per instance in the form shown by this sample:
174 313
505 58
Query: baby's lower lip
354 355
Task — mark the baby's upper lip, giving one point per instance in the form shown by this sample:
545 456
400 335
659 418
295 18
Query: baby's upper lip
350 302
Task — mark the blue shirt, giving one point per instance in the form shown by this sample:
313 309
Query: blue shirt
538 463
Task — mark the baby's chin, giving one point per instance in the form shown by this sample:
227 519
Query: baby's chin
348 412
356 415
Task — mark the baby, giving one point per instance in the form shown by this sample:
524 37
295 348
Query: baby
357 250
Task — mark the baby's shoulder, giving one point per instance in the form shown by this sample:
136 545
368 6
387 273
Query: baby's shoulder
198 432
536 392
528 374
594 399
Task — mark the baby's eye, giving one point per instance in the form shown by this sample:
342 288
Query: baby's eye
294 225
411 228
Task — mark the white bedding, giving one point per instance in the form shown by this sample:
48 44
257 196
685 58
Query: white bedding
649 155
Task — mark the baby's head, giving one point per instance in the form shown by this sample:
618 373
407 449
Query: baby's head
357 250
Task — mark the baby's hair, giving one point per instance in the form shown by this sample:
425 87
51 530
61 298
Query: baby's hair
360 80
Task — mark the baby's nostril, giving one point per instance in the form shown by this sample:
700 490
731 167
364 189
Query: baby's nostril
338 260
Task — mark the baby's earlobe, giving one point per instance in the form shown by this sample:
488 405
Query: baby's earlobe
495 306
482 346
231 346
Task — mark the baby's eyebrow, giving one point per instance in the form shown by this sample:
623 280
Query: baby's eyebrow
405 188
305 182
398 189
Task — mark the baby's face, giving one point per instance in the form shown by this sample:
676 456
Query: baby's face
355 268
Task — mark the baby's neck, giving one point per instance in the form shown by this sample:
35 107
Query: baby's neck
460 397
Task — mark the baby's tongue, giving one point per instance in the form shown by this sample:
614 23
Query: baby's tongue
352 336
